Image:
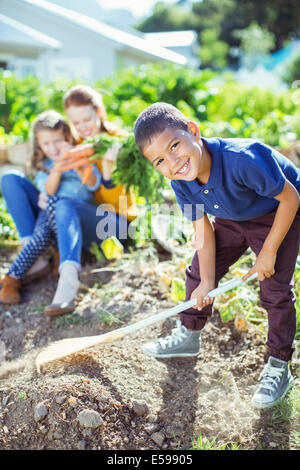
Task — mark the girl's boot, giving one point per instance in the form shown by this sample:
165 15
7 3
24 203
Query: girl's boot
10 292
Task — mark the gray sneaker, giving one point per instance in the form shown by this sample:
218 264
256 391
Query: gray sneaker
181 343
276 380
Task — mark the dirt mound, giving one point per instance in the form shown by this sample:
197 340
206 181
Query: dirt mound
113 396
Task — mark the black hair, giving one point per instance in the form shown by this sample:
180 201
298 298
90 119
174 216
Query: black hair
155 119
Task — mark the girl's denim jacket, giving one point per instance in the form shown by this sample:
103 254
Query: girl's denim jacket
70 183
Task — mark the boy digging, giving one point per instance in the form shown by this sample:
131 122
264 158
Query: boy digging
253 193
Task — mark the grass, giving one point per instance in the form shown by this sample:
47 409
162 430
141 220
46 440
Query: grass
38 308
70 319
286 411
279 425
203 444
109 318
109 293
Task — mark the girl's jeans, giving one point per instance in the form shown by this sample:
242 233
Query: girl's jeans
21 199
276 293
78 223
44 235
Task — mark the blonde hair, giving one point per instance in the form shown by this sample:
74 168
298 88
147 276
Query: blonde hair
84 95
52 121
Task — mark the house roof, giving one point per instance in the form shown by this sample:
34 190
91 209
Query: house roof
16 32
173 38
122 38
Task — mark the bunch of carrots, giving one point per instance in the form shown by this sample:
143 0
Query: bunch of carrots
132 169
78 157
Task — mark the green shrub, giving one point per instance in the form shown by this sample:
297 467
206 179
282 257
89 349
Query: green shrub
220 105
7 226
292 71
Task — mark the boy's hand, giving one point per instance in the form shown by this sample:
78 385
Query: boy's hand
264 265
200 293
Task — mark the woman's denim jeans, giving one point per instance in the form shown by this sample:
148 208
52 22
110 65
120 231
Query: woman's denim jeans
79 224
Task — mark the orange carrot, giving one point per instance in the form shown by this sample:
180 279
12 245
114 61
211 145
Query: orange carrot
86 173
74 163
79 151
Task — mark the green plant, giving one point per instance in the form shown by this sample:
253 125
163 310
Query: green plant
23 102
69 319
291 72
132 168
109 318
95 249
213 52
203 444
256 42
288 410
178 290
7 227
131 90
221 106
297 292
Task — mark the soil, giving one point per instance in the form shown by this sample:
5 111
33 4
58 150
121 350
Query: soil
139 403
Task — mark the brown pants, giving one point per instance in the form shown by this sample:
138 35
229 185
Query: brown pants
276 293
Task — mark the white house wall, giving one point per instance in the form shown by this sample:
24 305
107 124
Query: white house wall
83 52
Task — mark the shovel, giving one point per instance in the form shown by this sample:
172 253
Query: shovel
65 347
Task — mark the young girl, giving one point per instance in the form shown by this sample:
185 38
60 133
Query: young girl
85 109
51 138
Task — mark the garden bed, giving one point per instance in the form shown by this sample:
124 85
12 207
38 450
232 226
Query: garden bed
136 402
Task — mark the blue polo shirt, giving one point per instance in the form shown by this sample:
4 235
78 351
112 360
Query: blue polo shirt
245 177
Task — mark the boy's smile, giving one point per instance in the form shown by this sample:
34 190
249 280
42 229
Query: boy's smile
179 154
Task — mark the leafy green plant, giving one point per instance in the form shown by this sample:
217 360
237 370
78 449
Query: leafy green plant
213 52
221 106
287 410
200 443
23 102
132 168
243 301
109 318
70 319
291 72
95 249
297 292
7 226
178 290
256 43
131 90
